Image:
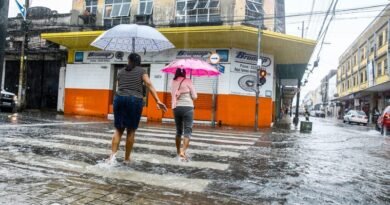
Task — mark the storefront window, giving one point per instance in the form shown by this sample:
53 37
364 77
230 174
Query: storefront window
197 11
145 7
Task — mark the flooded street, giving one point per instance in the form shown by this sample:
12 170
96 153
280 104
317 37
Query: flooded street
49 159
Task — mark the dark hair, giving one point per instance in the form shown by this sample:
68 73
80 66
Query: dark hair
180 73
135 58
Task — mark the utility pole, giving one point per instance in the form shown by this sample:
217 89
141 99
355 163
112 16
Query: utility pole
23 61
259 63
3 33
302 29
296 118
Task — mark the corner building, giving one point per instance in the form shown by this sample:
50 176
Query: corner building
197 28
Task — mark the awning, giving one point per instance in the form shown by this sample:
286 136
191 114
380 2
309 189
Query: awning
286 49
383 87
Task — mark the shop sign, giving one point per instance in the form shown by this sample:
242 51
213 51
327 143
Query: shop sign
370 73
243 73
205 55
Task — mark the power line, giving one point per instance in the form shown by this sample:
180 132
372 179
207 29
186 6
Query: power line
311 13
323 37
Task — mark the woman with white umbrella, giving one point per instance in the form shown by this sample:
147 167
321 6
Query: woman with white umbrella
128 103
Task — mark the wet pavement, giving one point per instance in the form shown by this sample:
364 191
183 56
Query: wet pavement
47 158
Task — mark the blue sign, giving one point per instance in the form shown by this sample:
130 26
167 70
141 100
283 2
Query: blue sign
220 68
79 57
21 9
223 55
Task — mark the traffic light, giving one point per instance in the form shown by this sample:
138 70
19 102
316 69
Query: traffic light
262 75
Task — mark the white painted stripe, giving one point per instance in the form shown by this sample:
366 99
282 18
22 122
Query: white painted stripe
166 180
211 138
215 132
151 158
198 138
156 139
49 124
198 135
153 147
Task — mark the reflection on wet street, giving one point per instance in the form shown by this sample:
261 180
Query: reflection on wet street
48 159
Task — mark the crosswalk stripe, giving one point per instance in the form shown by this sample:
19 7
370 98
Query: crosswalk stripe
156 139
151 158
49 124
166 180
194 137
198 135
153 147
216 132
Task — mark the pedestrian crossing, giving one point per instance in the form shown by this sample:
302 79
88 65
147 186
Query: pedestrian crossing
161 143
159 138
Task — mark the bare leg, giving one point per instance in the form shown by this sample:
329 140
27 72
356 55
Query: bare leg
178 144
116 138
129 143
186 144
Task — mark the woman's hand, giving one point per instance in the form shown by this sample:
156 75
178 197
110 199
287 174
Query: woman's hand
161 106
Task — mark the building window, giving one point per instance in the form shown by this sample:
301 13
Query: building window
372 47
380 40
254 12
379 69
197 11
385 67
361 77
145 7
116 12
362 54
91 6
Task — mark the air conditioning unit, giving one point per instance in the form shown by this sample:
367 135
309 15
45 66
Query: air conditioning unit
143 19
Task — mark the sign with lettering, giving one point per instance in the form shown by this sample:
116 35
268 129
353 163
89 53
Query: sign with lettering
243 73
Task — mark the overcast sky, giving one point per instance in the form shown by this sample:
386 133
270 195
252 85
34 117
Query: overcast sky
342 32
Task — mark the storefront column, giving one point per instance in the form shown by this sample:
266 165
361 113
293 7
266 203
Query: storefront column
372 106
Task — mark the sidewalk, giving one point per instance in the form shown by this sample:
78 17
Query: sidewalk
284 123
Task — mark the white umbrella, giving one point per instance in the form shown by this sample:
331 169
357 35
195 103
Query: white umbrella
132 38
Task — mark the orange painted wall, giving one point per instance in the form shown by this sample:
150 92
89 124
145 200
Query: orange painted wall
87 102
240 110
231 109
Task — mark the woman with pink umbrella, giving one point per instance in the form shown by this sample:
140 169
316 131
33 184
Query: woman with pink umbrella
183 94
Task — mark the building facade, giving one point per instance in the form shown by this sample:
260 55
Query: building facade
197 28
267 13
43 58
327 91
363 74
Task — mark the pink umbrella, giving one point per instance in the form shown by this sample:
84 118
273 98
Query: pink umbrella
193 66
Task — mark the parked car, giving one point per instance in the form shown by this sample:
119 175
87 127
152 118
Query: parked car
312 113
383 123
320 113
356 116
8 101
